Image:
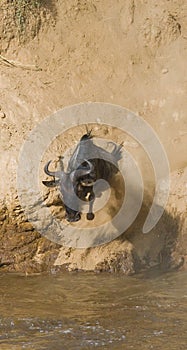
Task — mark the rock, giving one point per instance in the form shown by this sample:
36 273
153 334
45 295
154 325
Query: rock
165 71
2 115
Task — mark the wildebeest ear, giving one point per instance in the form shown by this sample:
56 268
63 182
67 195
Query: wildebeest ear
52 183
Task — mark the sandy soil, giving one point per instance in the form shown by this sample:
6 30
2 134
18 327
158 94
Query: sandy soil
130 53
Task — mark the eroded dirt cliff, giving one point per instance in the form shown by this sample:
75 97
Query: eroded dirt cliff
59 53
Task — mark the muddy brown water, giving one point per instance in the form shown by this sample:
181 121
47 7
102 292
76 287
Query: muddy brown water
93 311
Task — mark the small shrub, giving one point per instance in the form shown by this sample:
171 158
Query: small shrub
24 9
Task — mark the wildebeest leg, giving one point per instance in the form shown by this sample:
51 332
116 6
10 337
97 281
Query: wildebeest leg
72 215
90 215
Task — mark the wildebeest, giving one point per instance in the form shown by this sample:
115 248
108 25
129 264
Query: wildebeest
87 164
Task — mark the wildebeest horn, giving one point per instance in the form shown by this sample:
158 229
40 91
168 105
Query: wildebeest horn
51 173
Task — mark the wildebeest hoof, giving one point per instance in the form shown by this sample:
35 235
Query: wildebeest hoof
90 216
73 218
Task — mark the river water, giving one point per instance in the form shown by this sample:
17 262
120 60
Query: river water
93 311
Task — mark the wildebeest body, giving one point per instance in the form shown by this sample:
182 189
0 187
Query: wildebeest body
87 164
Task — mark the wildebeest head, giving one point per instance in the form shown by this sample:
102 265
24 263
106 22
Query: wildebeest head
73 185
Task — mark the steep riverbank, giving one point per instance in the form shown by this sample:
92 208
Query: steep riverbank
61 53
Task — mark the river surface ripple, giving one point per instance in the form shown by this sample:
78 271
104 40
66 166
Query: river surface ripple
93 311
